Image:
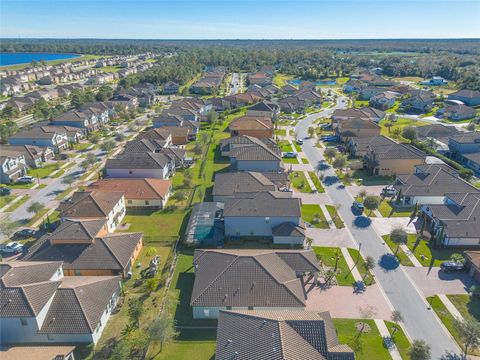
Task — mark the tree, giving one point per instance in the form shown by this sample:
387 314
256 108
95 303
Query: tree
212 116
329 153
179 196
340 161
371 202
135 310
470 127
466 173
362 193
94 138
409 133
399 237
89 161
108 146
475 291
163 329
119 137
104 93
469 331
388 125
309 241
369 265
396 132
68 180
311 131
457 258
8 227
419 350
397 318
35 207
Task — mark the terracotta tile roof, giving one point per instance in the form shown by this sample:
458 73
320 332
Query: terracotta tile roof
136 189
251 123
36 352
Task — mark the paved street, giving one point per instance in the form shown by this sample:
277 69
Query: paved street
235 84
420 322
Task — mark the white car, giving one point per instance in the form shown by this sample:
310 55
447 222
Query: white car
389 191
26 179
12 248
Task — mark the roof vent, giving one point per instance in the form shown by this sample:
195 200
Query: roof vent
229 341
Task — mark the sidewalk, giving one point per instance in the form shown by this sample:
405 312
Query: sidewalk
351 264
410 255
450 307
309 180
327 216
392 349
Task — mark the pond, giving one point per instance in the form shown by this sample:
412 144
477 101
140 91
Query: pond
317 82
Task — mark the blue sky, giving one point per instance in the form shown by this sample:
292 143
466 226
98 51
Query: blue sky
240 19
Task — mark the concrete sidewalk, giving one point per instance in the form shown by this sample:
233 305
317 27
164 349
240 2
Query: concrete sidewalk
351 264
450 307
392 348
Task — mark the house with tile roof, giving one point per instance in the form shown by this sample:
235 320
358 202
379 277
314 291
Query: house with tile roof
34 155
87 249
170 88
429 183
94 204
472 263
464 143
39 305
421 102
436 134
456 221
264 109
30 352
230 183
140 165
366 113
256 126
269 214
468 97
249 279
39 136
293 335
457 112
138 193
356 128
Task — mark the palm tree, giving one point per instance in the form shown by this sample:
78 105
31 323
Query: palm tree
369 265
399 237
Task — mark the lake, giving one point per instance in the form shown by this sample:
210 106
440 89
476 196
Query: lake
26 58
318 82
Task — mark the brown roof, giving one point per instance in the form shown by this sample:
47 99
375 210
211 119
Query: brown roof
90 204
136 189
251 123
36 352
473 257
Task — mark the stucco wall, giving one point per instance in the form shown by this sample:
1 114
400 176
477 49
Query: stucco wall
245 226
138 173
261 166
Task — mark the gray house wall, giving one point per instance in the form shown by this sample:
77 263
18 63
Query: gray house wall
254 225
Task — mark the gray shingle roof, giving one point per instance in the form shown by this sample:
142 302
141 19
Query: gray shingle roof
138 160
244 278
23 272
436 131
90 204
466 137
77 230
277 335
288 229
243 182
262 204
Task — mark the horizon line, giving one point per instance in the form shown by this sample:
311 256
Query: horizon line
236 39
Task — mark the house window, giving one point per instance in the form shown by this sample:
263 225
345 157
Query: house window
130 171
147 202
24 322
250 308
129 201
229 308
267 219
50 337
78 273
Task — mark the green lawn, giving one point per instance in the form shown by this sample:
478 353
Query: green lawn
468 306
312 211
44 171
371 180
367 275
281 79
81 146
401 256
280 132
37 216
399 338
305 161
17 204
5 199
367 346
433 256
285 146
399 123
361 103
387 211
447 319
316 181
328 256
156 224
335 217
190 344
20 186
298 148
299 181
290 160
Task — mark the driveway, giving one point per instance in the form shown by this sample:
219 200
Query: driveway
343 302
320 198
433 281
384 226
331 237
420 323
371 190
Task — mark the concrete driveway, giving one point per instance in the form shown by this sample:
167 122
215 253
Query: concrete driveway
343 302
433 281
331 237
371 190
320 198
384 226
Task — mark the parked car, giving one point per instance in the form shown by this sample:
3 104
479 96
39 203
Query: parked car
329 138
451 266
11 248
114 123
24 233
290 155
389 190
26 179
357 205
325 126
5 191
299 141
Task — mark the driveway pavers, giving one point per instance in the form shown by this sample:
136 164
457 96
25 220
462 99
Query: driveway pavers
331 237
384 226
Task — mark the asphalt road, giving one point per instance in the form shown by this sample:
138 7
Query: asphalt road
420 322
236 84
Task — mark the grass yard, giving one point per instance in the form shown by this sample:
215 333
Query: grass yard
305 161
299 181
335 217
367 275
399 338
285 146
17 204
191 344
433 256
401 256
281 79
371 180
37 216
399 123
313 214
5 199
20 186
298 148
328 256
467 305
361 103
447 319
280 132
161 223
82 146
316 181
44 171
387 211
367 346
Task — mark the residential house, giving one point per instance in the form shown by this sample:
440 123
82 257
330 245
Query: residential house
353 85
464 143
160 137
41 306
249 279
37 352
288 89
86 249
422 102
366 113
21 103
240 100
248 153
359 128
429 183
367 92
170 88
264 109
40 136
73 118
272 215
384 100
181 135
34 155
138 193
256 126
435 81
437 133
12 167
472 161
140 165
85 205
457 112
468 97
455 222
472 263
231 183
259 78
278 335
